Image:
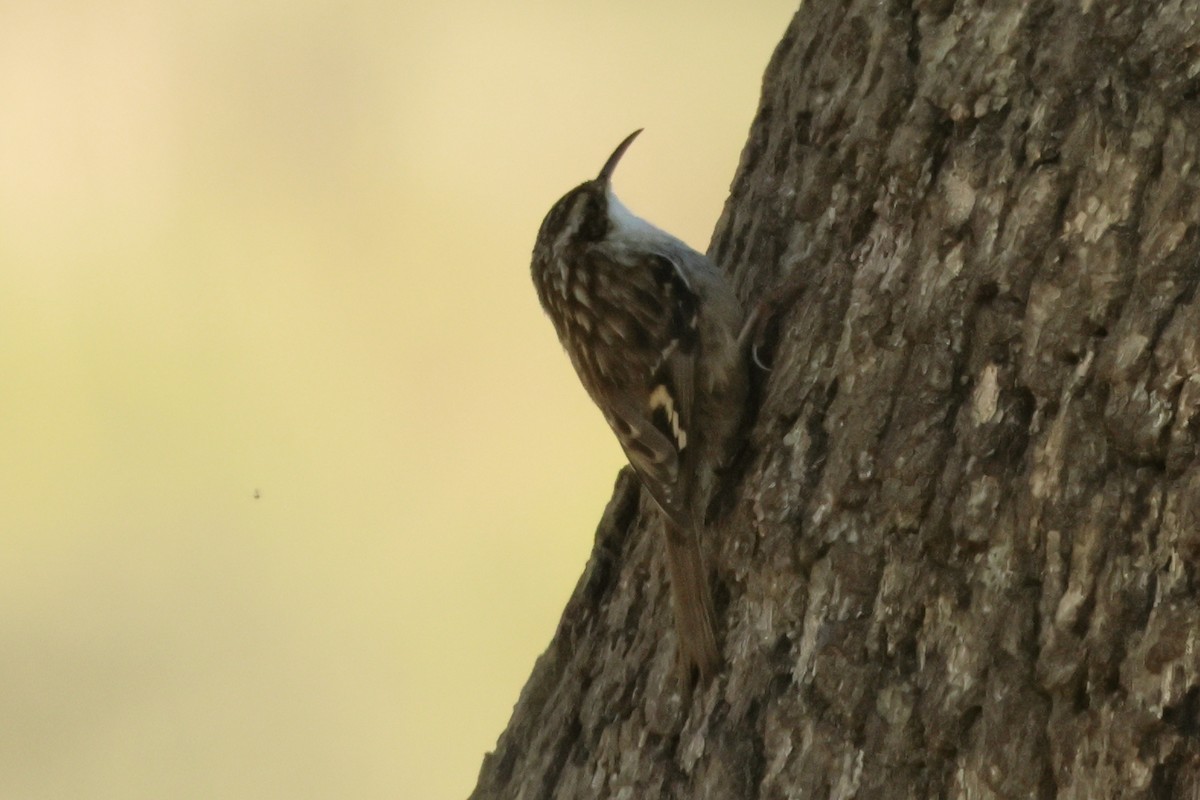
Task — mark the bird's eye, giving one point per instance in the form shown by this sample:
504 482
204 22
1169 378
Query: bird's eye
594 225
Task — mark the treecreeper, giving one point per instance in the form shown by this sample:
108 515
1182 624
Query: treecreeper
658 339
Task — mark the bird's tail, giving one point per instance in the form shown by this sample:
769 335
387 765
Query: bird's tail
690 592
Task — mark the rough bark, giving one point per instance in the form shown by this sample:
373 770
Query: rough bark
961 556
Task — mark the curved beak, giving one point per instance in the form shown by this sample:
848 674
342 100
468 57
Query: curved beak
610 165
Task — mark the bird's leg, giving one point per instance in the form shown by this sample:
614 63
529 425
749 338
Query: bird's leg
765 313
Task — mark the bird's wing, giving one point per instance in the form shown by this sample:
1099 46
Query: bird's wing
652 417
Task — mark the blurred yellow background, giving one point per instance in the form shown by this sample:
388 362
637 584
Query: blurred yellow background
283 248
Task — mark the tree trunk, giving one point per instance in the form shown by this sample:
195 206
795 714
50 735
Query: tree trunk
961 555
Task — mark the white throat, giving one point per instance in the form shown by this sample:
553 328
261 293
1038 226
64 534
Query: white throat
629 227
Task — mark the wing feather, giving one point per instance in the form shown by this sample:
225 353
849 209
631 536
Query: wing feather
651 409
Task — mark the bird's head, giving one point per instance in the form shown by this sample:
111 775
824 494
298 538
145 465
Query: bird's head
584 214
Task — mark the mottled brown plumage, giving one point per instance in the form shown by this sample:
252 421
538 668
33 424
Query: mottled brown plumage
651 327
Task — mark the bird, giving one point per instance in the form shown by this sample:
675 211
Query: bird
655 333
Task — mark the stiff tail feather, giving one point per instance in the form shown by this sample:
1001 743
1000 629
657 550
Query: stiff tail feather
694 615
